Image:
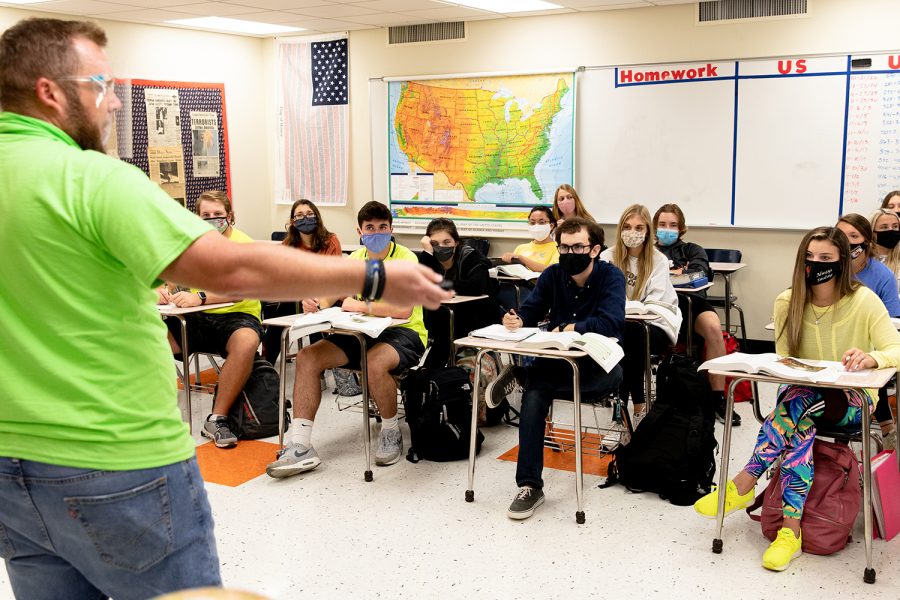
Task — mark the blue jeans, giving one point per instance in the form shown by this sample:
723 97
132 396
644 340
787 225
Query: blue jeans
549 379
81 533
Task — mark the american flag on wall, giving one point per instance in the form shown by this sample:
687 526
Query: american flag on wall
313 149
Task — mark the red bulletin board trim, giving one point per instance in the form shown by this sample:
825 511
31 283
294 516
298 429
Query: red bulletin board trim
199 86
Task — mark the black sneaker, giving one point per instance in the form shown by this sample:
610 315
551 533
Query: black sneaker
218 431
720 416
505 384
523 505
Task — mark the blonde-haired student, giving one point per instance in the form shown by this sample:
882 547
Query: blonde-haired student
646 272
886 227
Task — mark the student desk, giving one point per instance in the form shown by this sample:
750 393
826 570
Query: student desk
726 270
689 336
484 346
285 323
449 304
851 381
170 310
350 248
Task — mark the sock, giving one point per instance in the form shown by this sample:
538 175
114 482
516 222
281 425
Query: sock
300 432
392 423
215 417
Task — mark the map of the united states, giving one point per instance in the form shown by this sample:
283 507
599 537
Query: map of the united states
474 137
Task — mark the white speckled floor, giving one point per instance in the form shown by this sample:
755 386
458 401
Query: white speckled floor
410 534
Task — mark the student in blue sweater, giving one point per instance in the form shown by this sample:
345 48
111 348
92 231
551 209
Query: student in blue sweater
581 294
866 268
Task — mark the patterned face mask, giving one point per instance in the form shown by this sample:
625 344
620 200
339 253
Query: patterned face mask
633 238
220 223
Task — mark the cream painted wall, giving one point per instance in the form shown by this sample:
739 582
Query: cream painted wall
621 37
165 53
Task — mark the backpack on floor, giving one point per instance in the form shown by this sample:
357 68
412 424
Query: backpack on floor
255 412
831 506
672 451
490 368
743 392
346 383
438 405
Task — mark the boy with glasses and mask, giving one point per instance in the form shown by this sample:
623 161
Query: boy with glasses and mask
398 347
581 294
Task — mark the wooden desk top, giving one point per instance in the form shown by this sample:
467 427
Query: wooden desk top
641 317
687 290
723 267
463 299
288 320
171 309
514 348
870 378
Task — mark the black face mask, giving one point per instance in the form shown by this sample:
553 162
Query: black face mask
443 253
888 239
574 264
306 224
818 273
856 250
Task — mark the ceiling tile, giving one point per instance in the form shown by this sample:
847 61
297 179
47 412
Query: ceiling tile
335 11
400 5
600 3
275 4
78 7
275 17
212 9
388 19
450 13
131 4
147 15
320 24
537 13
617 6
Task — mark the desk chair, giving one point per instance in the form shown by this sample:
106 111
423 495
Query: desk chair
727 303
483 245
277 236
560 435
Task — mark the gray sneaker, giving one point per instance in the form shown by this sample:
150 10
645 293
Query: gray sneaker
292 460
505 384
219 432
525 502
390 447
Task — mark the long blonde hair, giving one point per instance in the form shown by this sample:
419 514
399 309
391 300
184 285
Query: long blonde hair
645 258
893 256
801 294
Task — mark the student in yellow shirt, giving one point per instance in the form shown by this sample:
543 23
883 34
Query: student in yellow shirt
825 315
233 332
539 254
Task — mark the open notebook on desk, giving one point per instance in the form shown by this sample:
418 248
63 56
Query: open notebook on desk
814 371
321 320
605 351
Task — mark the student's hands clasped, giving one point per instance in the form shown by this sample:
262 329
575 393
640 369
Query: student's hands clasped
855 359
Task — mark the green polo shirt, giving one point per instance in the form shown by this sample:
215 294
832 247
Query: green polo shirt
86 373
398 252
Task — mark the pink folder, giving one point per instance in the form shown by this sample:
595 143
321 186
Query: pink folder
886 493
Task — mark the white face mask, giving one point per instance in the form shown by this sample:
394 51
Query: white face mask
633 238
539 232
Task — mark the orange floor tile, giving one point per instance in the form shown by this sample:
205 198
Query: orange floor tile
207 377
234 466
565 459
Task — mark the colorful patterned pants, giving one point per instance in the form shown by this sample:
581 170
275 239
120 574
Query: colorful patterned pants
790 431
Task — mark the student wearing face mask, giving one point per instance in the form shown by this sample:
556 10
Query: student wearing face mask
398 347
540 253
687 257
467 268
825 315
886 227
567 204
579 294
305 231
864 267
233 332
646 272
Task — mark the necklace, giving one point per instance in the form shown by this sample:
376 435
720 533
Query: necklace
818 317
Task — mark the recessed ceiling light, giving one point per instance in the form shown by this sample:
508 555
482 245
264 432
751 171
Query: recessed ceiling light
508 6
234 25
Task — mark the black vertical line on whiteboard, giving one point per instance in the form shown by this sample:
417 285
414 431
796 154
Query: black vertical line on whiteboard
734 140
844 153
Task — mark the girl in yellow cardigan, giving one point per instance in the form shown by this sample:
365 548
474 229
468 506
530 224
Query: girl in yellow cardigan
825 315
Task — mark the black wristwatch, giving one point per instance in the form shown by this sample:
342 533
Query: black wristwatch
202 296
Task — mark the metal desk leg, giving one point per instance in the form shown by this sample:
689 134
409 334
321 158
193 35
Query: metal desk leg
723 466
367 435
470 491
187 411
869 573
579 474
689 336
282 360
727 277
452 358
648 373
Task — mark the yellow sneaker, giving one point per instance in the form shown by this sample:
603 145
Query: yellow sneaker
708 505
783 550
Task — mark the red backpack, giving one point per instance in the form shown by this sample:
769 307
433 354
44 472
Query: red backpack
831 507
743 392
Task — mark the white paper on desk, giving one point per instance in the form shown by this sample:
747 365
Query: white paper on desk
500 333
321 320
815 371
517 270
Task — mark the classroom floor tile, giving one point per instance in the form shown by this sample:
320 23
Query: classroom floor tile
234 466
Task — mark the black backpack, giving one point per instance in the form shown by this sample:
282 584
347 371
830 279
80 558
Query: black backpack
672 450
254 413
438 405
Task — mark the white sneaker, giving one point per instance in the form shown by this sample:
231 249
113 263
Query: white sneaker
390 447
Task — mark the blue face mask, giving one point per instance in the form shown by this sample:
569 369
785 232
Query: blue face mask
667 237
375 243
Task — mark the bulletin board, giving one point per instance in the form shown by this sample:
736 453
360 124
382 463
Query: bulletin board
177 133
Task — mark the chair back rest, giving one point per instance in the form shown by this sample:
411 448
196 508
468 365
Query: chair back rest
723 255
483 245
277 236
